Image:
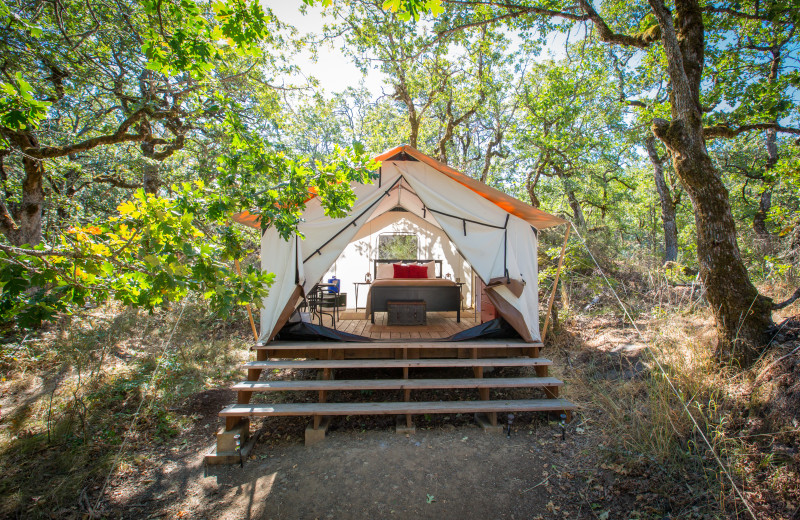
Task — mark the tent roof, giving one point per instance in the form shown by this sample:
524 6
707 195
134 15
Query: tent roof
535 217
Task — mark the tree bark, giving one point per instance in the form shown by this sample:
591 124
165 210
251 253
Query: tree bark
667 203
765 201
574 204
150 178
742 315
24 225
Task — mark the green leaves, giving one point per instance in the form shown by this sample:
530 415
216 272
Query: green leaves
185 39
19 110
153 252
408 9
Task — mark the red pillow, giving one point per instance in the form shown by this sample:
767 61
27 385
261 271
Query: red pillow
417 271
410 271
400 271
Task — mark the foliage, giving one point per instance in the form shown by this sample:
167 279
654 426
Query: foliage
187 83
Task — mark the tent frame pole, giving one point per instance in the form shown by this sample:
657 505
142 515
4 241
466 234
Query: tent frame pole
555 283
249 312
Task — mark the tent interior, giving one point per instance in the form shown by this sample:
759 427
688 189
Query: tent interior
401 228
483 240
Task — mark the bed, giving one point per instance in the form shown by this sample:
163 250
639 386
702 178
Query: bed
439 294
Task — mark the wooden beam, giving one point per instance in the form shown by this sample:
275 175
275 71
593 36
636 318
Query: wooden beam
396 408
555 284
397 363
315 385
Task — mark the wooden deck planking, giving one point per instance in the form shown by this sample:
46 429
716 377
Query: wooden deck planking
440 325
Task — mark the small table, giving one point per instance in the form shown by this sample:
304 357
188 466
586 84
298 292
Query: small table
357 284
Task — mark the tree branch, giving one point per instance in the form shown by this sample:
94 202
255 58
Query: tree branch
641 41
710 132
121 135
116 181
740 14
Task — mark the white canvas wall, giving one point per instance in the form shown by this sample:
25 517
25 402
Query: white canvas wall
356 259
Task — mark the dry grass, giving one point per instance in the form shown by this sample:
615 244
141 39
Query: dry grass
744 415
73 393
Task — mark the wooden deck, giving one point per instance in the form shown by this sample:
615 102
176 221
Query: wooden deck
440 325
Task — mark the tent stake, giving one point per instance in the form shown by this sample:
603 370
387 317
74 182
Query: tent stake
555 283
249 312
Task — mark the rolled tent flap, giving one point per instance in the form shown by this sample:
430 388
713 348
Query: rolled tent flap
515 286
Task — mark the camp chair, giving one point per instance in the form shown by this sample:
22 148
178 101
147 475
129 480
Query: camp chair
320 302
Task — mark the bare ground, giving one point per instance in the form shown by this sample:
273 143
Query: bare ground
604 468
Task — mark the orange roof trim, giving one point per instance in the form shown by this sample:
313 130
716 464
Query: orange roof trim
535 217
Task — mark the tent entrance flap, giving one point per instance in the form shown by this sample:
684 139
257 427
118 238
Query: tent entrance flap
304 331
497 328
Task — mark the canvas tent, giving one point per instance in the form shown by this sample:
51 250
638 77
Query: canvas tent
494 232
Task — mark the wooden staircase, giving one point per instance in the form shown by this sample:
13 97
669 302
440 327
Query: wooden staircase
326 357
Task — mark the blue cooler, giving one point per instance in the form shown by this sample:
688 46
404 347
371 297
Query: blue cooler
337 283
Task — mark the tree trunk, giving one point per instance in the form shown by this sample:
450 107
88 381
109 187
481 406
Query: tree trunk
742 315
667 203
24 224
765 202
150 177
577 211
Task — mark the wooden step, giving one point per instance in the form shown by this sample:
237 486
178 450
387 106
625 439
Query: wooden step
397 384
389 345
399 363
392 408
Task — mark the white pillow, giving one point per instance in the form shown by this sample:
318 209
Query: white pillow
385 271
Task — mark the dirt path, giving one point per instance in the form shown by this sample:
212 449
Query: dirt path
439 473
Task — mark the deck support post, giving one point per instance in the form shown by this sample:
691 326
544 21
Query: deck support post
316 433
409 427
491 417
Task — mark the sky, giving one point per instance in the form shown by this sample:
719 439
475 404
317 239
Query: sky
332 68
